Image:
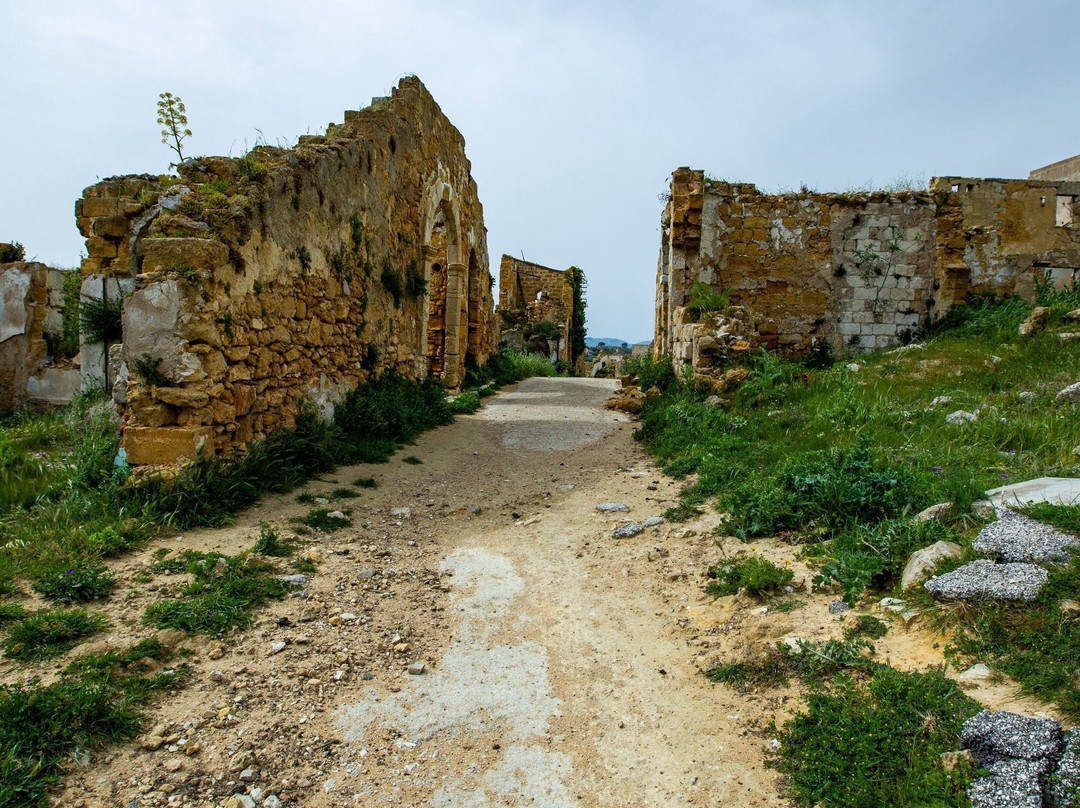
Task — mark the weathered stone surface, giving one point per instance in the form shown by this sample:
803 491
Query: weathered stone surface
921 564
165 445
372 256
850 271
1015 537
934 513
530 294
1036 321
1055 490
985 580
1070 394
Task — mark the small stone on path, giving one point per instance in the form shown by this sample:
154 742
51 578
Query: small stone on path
613 507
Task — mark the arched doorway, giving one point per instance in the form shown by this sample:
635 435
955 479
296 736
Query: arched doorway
447 292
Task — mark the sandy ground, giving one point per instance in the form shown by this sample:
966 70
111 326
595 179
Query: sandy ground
562 666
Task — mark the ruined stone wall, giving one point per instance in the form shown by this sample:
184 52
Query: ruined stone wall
292 275
31 305
854 271
530 294
1067 170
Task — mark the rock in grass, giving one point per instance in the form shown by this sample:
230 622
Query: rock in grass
922 563
613 507
935 513
1036 321
985 580
960 417
1015 537
998 735
1070 395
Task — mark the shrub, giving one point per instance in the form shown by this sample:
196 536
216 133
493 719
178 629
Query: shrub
392 283
269 543
651 372
146 368
835 489
365 482
321 519
876 555
12 252
879 743
756 575
466 403
75 581
101 319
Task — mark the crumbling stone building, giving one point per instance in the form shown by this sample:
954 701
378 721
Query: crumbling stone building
852 271
531 295
289 275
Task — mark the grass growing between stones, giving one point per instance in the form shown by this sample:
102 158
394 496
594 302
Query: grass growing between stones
223 592
97 699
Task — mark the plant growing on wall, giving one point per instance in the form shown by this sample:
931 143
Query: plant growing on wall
100 319
576 279
703 299
172 118
12 252
872 263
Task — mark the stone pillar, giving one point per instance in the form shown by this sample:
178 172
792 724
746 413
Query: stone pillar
455 285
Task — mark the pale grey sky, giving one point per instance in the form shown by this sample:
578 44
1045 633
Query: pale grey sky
574 113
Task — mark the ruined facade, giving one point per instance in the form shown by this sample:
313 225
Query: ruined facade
1067 170
286 276
31 304
529 295
853 271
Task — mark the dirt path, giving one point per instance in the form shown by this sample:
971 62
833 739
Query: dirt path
561 664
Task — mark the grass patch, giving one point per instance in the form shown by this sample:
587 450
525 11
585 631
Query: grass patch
867 626
221 596
1063 517
322 519
508 367
465 404
412 460
878 743
305 498
755 575
50 632
270 543
10 612
344 493
98 699
365 482
69 581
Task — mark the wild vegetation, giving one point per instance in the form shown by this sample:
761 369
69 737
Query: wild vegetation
66 506
838 458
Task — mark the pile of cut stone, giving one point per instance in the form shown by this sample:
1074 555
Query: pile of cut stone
1022 544
1030 762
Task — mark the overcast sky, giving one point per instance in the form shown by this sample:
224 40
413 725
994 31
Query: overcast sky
574 113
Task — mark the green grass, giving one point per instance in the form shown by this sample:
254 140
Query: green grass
98 699
305 497
221 596
755 574
1064 517
877 742
321 519
50 632
344 493
465 404
270 543
508 367
365 482
412 460
75 581
10 612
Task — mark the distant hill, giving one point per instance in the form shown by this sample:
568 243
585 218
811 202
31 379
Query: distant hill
592 342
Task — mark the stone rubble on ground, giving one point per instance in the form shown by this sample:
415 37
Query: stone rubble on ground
1030 762
985 580
961 417
1070 394
1015 537
934 513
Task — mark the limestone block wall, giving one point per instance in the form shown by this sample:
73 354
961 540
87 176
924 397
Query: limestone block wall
856 271
530 294
292 276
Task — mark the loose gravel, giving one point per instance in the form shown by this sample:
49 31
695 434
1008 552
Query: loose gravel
1015 537
985 580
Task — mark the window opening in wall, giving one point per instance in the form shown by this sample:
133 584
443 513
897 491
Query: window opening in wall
1066 211
970 187
956 188
540 294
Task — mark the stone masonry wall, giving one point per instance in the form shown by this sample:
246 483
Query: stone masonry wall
855 271
31 305
292 275
530 294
